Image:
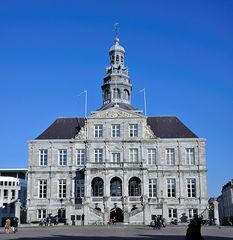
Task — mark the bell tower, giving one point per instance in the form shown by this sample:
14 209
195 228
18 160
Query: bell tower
116 86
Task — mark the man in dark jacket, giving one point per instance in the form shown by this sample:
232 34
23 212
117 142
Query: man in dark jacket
194 230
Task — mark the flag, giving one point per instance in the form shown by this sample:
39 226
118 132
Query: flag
82 93
142 90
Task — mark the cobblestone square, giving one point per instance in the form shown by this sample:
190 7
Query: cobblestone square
117 232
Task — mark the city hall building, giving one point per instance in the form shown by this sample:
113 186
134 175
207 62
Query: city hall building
116 162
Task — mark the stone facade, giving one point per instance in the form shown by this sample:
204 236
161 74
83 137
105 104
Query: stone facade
117 163
12 195
225 206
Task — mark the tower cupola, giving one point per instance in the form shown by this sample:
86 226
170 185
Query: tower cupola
116 86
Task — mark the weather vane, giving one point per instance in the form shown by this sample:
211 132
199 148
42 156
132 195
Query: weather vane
116 29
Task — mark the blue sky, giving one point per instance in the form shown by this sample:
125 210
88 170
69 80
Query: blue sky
180 51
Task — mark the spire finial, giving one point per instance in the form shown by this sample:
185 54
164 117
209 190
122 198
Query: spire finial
116 30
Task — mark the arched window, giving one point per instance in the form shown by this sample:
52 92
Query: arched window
126 94
116 93
117 59
116 187
134 187
97 187
122 59
106 95
112 59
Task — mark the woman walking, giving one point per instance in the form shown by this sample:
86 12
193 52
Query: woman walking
7 225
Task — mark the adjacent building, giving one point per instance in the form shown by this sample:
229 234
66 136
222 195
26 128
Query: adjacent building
13 194
225 204
117 162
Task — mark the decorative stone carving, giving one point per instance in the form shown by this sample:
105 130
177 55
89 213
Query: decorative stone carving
115 113
82 134
148 133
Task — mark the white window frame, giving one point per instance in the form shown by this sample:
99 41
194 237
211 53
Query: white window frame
172 213
191 187
170 156
80 188
171 187
116 157
133 155
98 154
62 188
152 187
190 156
13 194
116 130
43 155
133 130
62 157
98 130
42 189
193 212
151 156
80 156
41 213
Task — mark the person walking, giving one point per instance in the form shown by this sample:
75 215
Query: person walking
194 229
8 226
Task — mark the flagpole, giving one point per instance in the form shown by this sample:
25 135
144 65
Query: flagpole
85 103
145 102
144 96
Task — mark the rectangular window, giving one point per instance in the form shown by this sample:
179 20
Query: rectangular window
133 155
63 157
116 130
80 188
42 188
191 187
172 213
189 156
98 132
41 213
98 155
151 156
192 212
152 188
43 157
171 187
133 130
80 154
116 157
12 194
62 188
170 156
5 193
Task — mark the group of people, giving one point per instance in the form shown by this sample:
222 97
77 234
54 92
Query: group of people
11 226
112 220
158 222
48 222
193 230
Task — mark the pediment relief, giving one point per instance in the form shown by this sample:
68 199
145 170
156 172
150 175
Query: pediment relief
147 132
82 134
114 113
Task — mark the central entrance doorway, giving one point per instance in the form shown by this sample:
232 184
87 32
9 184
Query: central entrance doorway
117 213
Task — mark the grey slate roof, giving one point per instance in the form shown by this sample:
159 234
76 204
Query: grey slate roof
121 105
163 127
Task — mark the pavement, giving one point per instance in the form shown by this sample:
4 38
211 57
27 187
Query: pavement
113 232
